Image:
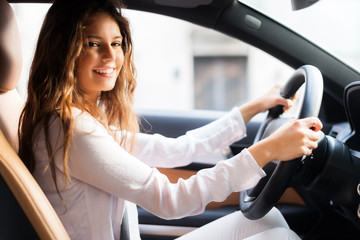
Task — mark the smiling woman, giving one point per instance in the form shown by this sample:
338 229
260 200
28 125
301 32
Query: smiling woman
100 63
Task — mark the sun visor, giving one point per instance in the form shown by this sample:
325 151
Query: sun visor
183 3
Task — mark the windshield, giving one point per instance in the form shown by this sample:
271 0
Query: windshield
334 25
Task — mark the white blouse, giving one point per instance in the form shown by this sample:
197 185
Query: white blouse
104 175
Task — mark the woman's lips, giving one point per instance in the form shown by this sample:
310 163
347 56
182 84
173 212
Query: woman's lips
106 72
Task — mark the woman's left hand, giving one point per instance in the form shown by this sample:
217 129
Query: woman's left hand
273 98
269 100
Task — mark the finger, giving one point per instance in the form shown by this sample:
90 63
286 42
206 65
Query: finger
313 123
312 144
313 135
317 125
306 151
288 104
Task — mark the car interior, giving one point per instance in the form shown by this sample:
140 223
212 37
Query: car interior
319 196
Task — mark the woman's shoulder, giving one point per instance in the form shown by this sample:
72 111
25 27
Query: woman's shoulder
83 121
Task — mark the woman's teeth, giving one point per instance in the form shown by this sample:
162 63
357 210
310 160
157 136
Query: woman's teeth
104 71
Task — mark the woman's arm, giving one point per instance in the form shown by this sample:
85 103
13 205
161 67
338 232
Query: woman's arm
96 159
160 151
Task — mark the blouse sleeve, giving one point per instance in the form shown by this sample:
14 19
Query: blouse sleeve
159 151
97 159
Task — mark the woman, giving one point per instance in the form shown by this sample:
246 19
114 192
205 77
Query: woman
80 137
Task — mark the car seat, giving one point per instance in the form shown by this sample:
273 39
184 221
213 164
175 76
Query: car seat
25 212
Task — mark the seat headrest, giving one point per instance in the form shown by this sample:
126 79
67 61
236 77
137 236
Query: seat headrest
10 48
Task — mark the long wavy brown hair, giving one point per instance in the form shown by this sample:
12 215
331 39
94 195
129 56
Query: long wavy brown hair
52 89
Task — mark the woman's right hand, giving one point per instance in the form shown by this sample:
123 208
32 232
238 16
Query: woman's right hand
294 139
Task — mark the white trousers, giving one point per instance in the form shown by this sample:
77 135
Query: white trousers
236 226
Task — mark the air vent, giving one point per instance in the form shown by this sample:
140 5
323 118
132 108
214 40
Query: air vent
340 131
333 133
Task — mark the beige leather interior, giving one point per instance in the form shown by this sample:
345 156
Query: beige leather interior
13 172
10 70
29 195
10 48
10 108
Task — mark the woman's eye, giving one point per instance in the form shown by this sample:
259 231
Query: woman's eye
116 44
93 44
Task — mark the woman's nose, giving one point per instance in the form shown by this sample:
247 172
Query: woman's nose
108 53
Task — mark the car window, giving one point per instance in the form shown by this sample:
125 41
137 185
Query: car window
183 66
180 66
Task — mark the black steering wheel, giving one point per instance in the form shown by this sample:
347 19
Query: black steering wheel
258 201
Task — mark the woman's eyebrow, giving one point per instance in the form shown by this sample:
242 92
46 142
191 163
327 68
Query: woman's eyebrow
98 37
93 36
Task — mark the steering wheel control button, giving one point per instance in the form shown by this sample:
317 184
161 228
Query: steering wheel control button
358 188
358 211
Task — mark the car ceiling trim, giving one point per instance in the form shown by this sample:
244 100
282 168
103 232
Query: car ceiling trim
183 3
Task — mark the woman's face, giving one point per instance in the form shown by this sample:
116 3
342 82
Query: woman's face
100 64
